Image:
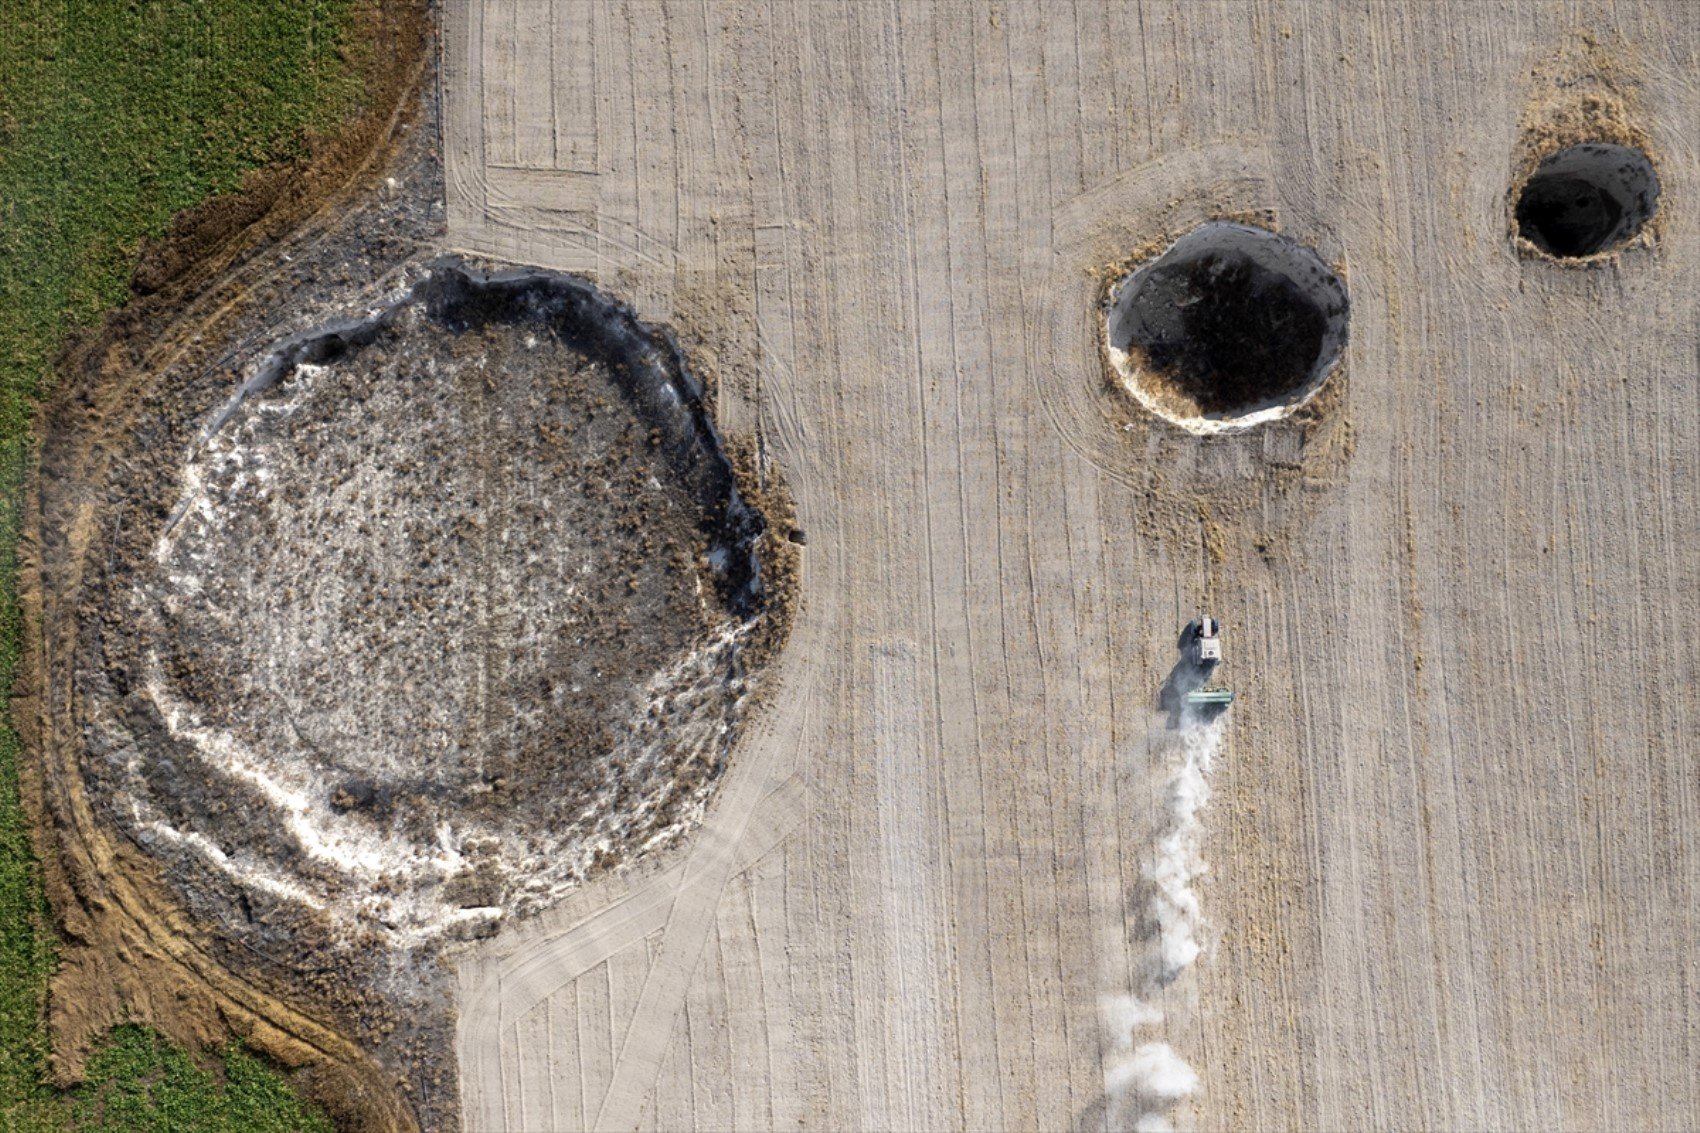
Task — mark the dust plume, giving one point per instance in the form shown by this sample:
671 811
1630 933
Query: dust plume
1174 906
1153 1073
1145 1080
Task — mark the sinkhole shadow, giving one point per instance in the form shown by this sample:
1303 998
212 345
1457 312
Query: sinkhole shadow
1232 320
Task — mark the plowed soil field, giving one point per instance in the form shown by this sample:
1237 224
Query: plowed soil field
1454 831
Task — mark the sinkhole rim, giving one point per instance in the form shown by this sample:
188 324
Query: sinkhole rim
1184 372
1619 186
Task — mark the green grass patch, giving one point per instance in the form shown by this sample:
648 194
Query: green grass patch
114 116
140 1083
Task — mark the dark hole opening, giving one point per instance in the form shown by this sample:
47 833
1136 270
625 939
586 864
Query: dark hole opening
1587 198
1234 317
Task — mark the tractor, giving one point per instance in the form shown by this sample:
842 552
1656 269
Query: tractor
1186 695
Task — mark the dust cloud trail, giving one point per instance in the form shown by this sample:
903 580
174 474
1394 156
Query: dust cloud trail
1174 905
1147 1080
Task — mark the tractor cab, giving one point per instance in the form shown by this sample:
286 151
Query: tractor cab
1185 695
1207 640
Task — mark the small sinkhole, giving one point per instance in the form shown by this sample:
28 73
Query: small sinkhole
1231 327
1586 199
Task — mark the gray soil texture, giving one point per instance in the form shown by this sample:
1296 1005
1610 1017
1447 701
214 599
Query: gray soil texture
442 611
418 597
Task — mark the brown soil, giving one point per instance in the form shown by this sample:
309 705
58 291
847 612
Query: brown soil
1587 92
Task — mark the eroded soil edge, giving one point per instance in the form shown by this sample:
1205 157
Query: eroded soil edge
158 930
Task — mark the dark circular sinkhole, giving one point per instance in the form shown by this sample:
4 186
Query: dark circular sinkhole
1587 198
1233 326
442 611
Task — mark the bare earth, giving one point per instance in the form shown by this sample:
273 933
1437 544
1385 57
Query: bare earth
1455 841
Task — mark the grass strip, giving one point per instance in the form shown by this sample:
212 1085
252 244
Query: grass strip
140 1083
114 116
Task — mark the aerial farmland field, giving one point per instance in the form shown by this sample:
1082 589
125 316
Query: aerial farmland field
683 587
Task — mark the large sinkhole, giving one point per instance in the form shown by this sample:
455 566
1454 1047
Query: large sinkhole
1586 199
443 610
1232 326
